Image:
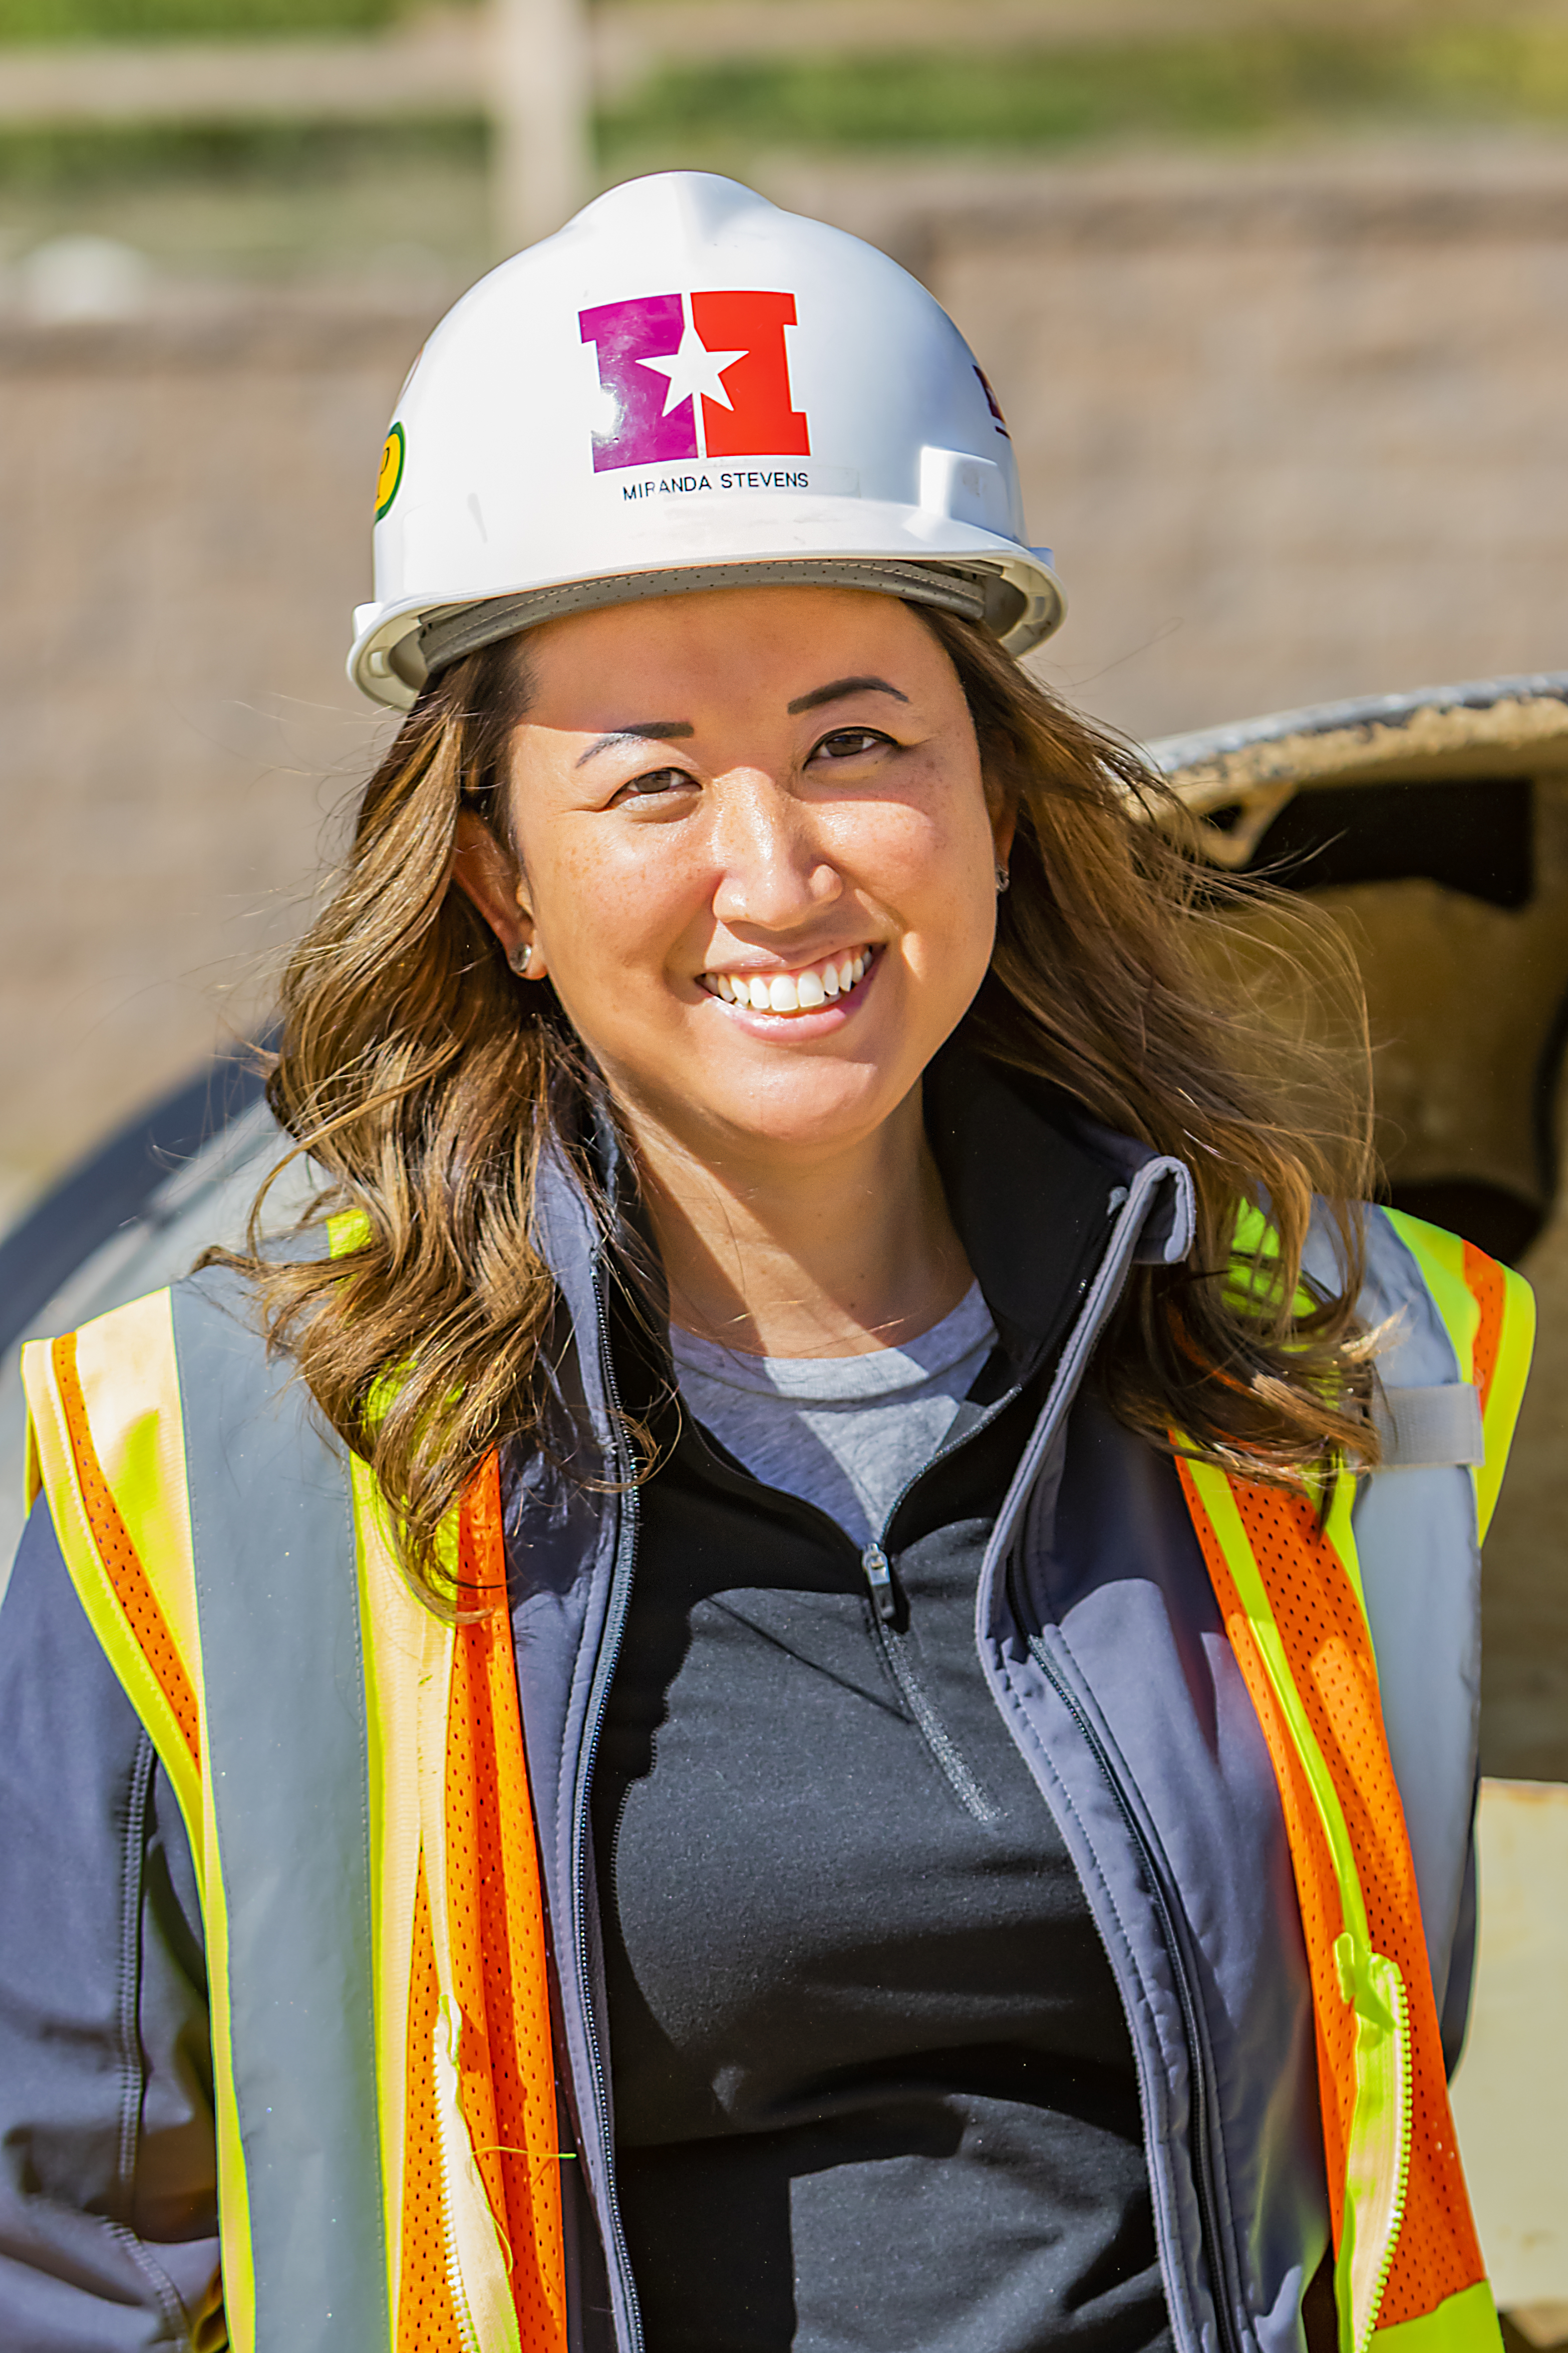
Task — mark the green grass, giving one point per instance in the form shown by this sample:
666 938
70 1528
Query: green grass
1246 85
299 155
133 20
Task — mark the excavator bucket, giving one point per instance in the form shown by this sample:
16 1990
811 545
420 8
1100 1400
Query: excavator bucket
1434 826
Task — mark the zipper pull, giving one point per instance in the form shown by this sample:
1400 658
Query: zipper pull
878 1571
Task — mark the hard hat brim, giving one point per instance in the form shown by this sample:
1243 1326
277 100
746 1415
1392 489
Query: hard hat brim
389 663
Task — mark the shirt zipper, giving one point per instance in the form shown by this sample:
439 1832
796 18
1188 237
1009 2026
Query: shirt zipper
893 1646
894 1643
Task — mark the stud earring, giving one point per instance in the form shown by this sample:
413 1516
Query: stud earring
1003 879
519 958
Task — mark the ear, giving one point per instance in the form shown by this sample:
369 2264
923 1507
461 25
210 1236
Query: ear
487 875
1003 825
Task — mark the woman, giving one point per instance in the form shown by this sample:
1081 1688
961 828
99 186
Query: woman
882 1459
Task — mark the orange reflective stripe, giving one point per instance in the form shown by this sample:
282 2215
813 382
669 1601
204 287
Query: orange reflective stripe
1317 1884
1329 1652
1488 1286
499 1952
479 1859
121 1563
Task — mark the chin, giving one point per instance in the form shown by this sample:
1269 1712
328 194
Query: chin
811 1110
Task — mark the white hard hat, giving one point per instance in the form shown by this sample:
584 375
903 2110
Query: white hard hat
687 388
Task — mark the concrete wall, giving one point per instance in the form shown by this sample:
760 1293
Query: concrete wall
187 504
1295 430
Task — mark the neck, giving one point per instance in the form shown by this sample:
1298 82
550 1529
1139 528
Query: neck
832 1253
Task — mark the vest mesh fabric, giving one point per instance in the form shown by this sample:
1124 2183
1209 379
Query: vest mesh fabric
427 2319
1436 2253
496 1910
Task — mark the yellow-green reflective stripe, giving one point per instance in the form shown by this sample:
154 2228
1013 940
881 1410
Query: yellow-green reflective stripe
56 1463
129 1372
1465 2323
141 1464
1252 1236
1377 2161
233 2187
406 1649
1441 1259
408 1667
32 1468
347 1230
1214 1488
130 1380
1515 1342
1339 1529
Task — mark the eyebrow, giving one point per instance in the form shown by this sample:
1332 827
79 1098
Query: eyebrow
646 731
839 688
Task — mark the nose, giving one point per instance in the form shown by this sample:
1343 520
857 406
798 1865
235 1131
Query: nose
773 874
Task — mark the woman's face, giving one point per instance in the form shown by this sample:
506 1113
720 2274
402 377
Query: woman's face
756 859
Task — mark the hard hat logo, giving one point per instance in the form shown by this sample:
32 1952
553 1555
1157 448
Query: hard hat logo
389 472
706 376
992 403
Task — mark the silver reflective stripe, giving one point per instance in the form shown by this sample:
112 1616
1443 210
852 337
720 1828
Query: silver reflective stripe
1421 1428
287 1765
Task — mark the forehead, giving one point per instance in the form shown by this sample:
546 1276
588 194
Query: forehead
668 657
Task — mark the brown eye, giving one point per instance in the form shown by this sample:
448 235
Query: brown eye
649 788
850 743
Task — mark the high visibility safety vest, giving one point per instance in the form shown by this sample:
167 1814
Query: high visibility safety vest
436 2046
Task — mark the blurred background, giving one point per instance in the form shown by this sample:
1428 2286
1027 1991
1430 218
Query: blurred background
1274 292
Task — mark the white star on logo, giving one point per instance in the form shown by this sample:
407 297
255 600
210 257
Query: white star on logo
694 369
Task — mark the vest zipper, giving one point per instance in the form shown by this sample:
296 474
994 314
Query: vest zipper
618 2250
467 2331
1198 2066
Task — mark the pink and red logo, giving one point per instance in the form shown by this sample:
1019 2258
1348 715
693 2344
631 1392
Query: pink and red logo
703 377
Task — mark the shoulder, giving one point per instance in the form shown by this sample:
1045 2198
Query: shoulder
125 1411
1442 1314
110 1374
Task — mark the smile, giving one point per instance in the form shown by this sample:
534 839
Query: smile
806 991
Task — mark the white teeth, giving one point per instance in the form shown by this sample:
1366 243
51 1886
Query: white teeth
791 992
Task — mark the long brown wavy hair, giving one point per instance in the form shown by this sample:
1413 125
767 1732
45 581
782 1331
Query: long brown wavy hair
425 1080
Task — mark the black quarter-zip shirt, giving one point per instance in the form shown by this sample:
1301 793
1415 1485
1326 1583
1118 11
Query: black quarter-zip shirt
873 2086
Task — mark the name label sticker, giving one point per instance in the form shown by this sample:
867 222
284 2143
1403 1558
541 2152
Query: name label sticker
730 481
